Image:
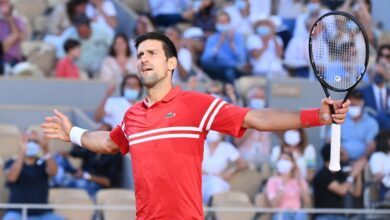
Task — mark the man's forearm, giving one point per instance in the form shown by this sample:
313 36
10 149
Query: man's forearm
272 120
99 142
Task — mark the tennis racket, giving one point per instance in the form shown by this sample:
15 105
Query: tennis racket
338 50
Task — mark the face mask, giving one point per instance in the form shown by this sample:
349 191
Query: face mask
312 7
354 111
222 27
292 137
131 94
240 4
213 136
284 166
378 78
33 149
263 30
257 103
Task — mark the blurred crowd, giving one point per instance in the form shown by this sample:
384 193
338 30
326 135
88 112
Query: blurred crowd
218 42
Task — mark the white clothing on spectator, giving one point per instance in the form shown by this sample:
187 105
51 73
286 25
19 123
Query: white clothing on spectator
158 7
115 109
297 53
185 59
108 8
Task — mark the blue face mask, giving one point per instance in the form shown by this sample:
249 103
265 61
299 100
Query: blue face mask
33 149
240 4
131 94
378 78
312 7
222 27
263 30
257 103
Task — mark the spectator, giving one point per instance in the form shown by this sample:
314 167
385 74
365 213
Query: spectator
380 165
359 130
28 178
142 26
103 14
217 156
297 54
313 7
120 61
168 13
330 188
224 56
61 16
95 43
205 16
377 96
255 145
286 190
112 109
98 171
383 56
184 56
11 27
66 67
304 153
266 50
240 17
288 11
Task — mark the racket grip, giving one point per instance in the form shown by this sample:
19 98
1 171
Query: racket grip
334 164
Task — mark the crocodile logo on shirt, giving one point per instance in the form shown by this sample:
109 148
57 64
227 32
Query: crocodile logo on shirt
170 115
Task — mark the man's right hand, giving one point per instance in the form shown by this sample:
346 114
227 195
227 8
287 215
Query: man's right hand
57 126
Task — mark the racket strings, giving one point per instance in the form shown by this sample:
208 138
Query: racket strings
338 49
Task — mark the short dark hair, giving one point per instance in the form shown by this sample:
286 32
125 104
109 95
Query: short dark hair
356 94
112 48
168 46
123 83
325 152
81 19
382 140
380 49
71 7
70 44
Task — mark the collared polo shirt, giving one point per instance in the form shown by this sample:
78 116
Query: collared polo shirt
166 141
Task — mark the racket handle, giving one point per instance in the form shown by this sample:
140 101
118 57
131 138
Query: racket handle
334 164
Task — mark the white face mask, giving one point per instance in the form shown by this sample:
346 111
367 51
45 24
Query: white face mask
213 136
222 27
257 103
312 7
284 166
33 149
354 111
292 137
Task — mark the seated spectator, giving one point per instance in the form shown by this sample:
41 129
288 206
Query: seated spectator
205 16
61 16
380 165
98 171
28 178
266 50
312 7
103 14
383 56
217 156
11 27
377 95
168 13
66 67
304 153
297 55
359 130
224 56
120 61
330 188
239 13
255 146
112 109
287 190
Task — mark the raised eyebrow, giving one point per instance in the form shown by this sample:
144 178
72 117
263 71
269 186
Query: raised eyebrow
148 51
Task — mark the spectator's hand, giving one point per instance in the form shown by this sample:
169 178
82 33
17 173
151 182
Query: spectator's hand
358 167
57 127
340 114
78 174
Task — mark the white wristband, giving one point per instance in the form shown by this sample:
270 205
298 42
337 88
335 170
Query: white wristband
75 135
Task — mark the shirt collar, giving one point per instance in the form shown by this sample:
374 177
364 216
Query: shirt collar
170 96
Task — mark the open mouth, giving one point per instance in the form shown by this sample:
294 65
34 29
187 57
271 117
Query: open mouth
146 69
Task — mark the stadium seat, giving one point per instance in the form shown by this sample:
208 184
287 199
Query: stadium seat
52 3
121 197
247 181
140 6
232 199
68 196
261 201
40 54
10 139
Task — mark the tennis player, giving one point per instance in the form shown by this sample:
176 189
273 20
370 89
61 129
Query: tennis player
165 133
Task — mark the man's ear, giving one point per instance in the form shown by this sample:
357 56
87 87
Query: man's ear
172 63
